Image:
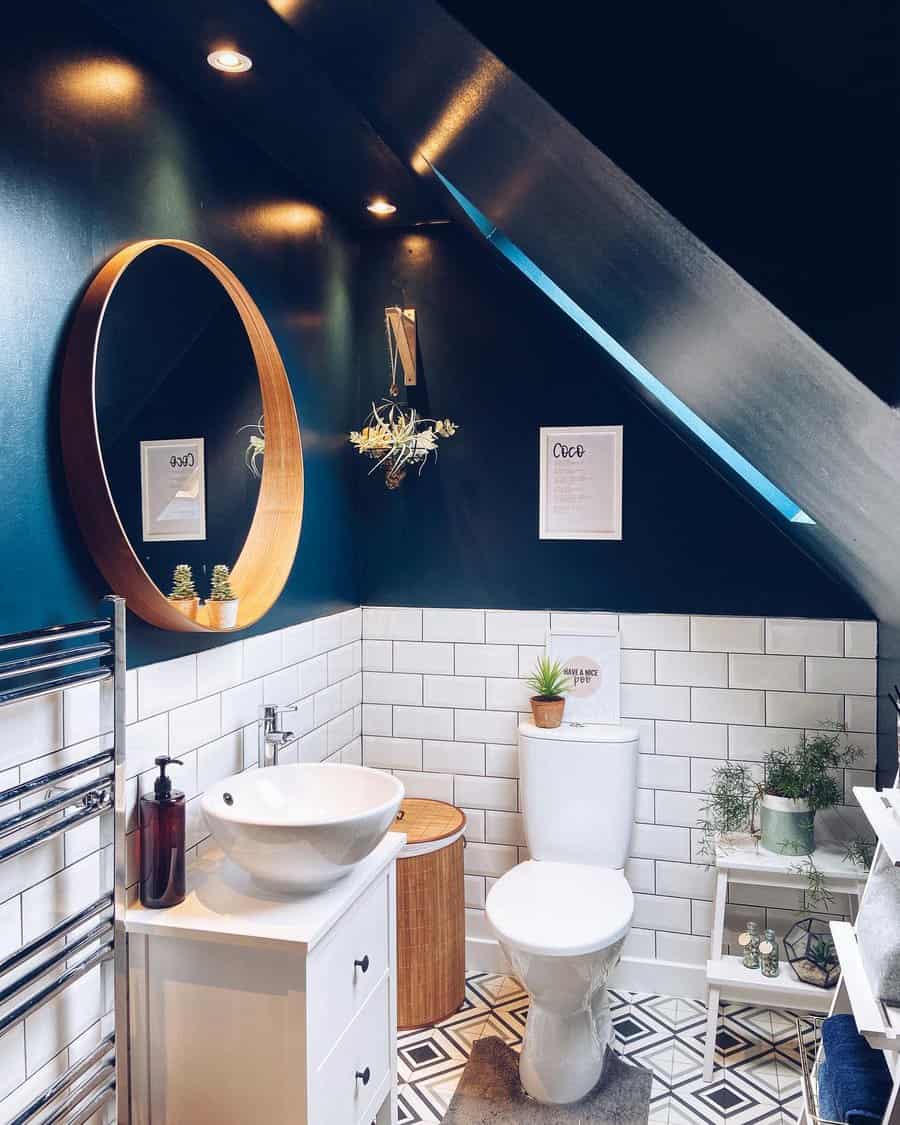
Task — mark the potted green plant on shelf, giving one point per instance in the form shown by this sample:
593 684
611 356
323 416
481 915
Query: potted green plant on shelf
550 684
792 786
796 783
184 592
222 604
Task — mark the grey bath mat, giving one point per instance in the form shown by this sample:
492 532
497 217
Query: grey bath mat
490 1093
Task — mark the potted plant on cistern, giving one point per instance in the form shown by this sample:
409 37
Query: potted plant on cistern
550 684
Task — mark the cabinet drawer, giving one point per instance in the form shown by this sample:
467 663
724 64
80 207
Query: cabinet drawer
344 970
343 1087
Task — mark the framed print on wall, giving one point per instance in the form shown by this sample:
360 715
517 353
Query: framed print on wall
173 490
591 661
581 482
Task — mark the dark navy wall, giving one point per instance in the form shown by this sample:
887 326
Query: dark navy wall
96 152
501 361
759 126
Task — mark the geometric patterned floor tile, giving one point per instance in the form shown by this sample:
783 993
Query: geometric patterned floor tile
756 1080
762 1074
415 1109
494 990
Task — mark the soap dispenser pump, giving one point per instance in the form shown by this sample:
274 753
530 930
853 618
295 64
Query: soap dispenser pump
162 841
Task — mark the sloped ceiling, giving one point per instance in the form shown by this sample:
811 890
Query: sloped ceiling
761 127
431 89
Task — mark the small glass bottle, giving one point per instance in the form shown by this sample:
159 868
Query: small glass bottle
749 942
768 954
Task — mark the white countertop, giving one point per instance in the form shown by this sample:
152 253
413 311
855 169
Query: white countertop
223 904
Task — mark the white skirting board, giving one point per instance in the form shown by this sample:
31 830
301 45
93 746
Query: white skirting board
662 978
632 974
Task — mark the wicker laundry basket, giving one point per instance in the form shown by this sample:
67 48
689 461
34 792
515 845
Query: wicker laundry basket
431 916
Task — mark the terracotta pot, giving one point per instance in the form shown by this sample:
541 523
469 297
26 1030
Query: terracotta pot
187 606
222 615
547 713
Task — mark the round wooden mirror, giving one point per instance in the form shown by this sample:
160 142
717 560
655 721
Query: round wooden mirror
174 315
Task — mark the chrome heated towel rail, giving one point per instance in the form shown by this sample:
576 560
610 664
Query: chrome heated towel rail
72 795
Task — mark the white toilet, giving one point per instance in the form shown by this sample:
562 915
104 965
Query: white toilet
563 916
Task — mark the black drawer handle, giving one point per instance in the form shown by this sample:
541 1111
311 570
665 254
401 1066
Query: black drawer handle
363 964
363 1076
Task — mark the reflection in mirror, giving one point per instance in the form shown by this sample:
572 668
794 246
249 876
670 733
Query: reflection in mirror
177 392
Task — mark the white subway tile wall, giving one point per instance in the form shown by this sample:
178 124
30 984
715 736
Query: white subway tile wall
435 696
443 695
202 709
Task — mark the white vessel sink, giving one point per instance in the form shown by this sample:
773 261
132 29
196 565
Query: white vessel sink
298 828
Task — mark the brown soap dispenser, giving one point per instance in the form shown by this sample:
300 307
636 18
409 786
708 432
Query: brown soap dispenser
162 841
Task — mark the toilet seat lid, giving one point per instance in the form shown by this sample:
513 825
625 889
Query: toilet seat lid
560 909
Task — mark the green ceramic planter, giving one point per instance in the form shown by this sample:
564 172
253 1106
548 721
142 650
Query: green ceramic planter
787 826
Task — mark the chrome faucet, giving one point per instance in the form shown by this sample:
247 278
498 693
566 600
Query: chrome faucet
271 736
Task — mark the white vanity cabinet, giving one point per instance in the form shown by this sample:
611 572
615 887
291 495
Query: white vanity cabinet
253 1009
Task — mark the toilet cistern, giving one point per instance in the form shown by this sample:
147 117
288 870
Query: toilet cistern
271 735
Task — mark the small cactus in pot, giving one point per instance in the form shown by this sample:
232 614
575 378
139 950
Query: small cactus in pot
184 592
549 682
222 603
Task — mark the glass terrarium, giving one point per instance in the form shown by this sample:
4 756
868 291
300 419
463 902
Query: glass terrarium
811 953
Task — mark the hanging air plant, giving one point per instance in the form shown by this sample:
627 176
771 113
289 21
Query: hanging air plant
256 446
395 438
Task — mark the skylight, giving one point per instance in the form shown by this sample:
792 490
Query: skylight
712 440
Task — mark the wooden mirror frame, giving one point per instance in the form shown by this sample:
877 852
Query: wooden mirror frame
268 553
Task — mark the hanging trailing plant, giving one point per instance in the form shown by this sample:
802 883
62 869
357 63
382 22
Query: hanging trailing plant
736 798
817 894
395 438
860 851
803 775
730 805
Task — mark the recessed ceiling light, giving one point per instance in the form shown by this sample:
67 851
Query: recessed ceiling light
381 208
229 60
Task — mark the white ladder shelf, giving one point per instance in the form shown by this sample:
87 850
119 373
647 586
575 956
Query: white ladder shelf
877 1022
742 860
882 809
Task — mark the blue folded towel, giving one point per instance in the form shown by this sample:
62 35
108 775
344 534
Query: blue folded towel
827 1106
854 1080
